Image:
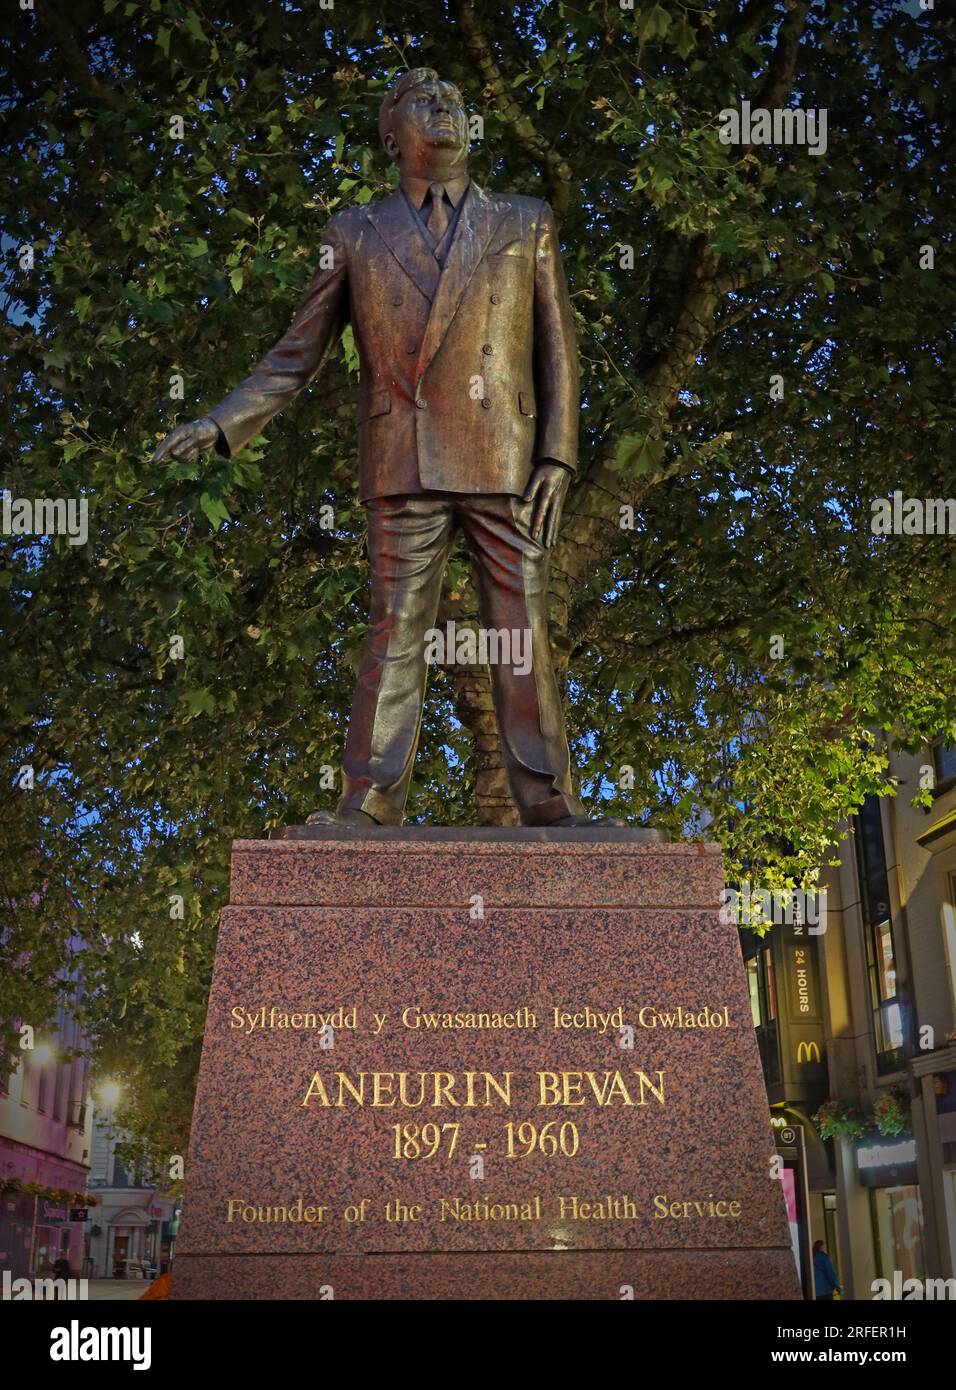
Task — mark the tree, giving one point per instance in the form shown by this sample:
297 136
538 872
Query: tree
765 351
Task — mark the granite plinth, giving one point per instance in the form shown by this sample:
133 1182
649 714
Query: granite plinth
595 1275
566 1015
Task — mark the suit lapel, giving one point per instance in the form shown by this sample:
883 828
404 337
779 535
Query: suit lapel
395 223
477 220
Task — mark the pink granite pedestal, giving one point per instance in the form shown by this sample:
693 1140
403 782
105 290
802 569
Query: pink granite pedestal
485 1065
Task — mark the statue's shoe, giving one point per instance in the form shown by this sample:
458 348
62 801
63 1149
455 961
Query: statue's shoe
648 833
342 820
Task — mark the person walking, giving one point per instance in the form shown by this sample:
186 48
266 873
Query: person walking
825 1279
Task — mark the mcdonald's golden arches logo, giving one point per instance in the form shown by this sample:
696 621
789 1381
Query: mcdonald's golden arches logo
808 1052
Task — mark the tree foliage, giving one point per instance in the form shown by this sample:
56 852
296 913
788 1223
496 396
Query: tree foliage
743 648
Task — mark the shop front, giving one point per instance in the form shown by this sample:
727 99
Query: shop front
887 1169
128 1235
16 1232
41 1236
809 1188
58 1242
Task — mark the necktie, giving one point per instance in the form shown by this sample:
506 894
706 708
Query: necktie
438 217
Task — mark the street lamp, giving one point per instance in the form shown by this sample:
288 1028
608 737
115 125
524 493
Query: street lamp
110 1094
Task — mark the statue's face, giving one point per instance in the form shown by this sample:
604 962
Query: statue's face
428 117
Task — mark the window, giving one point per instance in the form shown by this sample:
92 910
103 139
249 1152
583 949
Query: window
897 1217
885 1000
59 1090
944 763
72 1099
760 984
762 989
25 1077
59 1078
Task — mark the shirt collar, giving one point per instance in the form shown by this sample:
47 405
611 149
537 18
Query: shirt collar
416 189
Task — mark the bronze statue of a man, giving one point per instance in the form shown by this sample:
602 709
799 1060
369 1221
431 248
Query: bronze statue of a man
468 417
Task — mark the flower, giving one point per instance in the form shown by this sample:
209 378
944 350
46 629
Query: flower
892 1113
839 1119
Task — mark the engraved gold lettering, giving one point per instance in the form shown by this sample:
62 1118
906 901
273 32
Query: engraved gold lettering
316 1087
436 1089
687 1209
567 1088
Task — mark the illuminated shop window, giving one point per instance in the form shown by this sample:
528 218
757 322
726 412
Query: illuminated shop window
898 1226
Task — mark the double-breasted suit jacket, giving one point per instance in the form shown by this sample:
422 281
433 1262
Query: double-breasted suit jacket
468 373
468 379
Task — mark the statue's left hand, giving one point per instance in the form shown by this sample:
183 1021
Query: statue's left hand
547 490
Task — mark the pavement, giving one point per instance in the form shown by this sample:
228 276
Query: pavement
124 1289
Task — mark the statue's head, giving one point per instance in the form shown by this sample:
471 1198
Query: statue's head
422 116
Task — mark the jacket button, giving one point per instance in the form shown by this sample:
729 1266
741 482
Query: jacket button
487 349
496 299
422 404
411 349
398 301
485 403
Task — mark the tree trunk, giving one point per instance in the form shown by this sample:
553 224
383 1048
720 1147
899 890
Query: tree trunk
475 709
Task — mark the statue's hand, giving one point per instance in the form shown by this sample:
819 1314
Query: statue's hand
186 442
547 490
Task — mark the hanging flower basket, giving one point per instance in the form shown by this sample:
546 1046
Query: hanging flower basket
892 1113
66 1195
838 1119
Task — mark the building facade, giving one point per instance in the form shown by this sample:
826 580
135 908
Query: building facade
787 1006
45 1139
132 1227
862 1015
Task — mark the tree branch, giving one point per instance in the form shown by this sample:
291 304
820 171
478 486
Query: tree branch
557 172
77 61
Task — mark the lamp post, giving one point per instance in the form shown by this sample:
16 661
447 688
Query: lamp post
109 1094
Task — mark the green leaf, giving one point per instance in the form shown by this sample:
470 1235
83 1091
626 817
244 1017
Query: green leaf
194 27
199 701
655 23
349 350
685 40
215 510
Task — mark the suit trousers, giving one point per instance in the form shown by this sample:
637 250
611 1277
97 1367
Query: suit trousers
409 539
